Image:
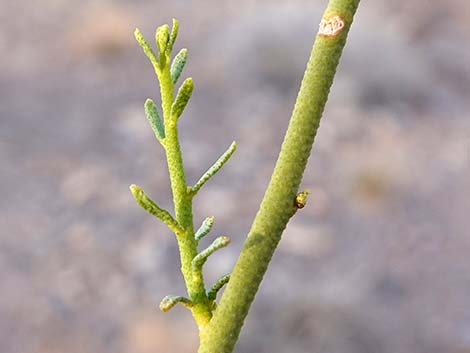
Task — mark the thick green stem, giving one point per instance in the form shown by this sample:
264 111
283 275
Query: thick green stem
278 204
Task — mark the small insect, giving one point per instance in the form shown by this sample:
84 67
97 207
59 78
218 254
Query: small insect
330 27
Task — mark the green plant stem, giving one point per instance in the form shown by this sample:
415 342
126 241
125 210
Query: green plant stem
278 204
166 132
182 203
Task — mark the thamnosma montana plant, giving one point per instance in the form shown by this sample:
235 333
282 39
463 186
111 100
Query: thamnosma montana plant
220 323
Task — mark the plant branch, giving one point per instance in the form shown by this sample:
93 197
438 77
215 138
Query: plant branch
171 300
177 65
147 49
151 207
278 204
219 163
166 132
212 294
204 229
202 257
155 120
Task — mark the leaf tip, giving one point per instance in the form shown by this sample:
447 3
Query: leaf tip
223 240
148 102
135 189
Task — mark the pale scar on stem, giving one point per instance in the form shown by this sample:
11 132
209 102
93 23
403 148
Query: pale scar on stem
331 26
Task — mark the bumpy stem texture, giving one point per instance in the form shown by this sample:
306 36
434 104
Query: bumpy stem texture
278 204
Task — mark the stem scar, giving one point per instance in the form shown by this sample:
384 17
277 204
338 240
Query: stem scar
331 26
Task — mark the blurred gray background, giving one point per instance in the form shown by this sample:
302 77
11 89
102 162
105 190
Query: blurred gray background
378 262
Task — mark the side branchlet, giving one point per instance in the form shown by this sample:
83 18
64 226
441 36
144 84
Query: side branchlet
147 49
156 122
212 294
162 35
202 257
171 300
213 169
151 207
204 229
182 98
177 65
173 35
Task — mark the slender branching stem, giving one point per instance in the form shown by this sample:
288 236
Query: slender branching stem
202 257
219 163
204 229
151 207
171 300
182 203
212 294
167 134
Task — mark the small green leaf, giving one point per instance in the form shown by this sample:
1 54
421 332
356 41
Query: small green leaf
205 228
146 47
214 168
182 98
171 300
173 35
212 294
151 207
201 258
162 35
154 118
178 64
